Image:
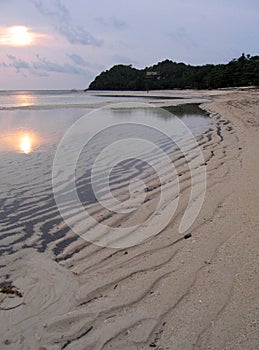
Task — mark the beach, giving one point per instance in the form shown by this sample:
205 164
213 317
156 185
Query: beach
198 293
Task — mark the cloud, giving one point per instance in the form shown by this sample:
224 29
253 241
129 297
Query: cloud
49 66
3 64
42 67
16 63
77 35
80 61
11 57
112 21
60 18
181 36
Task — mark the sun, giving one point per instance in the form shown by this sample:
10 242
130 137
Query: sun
20 36
17 36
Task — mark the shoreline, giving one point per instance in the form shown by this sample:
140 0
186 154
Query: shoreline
200 293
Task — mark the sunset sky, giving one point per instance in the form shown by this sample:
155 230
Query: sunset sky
64 44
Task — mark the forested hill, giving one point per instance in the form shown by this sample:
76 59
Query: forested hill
243 71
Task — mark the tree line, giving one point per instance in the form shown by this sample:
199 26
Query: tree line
242 71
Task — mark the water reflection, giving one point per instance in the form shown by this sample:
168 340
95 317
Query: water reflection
20 141
28 131
27 142
23 131
188 109
24 99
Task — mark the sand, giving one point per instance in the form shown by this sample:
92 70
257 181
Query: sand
199 293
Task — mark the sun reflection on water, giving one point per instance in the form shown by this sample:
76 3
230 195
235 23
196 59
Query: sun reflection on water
26 144
28 140
24 100
21 141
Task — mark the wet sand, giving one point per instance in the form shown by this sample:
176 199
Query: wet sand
198 293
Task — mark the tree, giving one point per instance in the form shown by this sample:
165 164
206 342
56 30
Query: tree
243 71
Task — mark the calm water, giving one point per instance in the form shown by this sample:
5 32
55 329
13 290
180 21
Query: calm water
60 99
28 142
50 99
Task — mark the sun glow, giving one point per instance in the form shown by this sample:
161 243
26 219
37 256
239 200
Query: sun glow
17 36
24 141
26 144
27 141
20 36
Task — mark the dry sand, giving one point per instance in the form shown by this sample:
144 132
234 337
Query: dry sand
196 294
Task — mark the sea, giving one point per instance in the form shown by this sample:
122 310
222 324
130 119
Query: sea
112 151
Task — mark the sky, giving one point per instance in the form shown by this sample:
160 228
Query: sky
64 44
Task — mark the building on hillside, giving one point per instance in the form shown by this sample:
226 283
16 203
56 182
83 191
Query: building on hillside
152 75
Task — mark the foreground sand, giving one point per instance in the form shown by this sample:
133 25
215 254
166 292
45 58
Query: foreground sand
197 294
